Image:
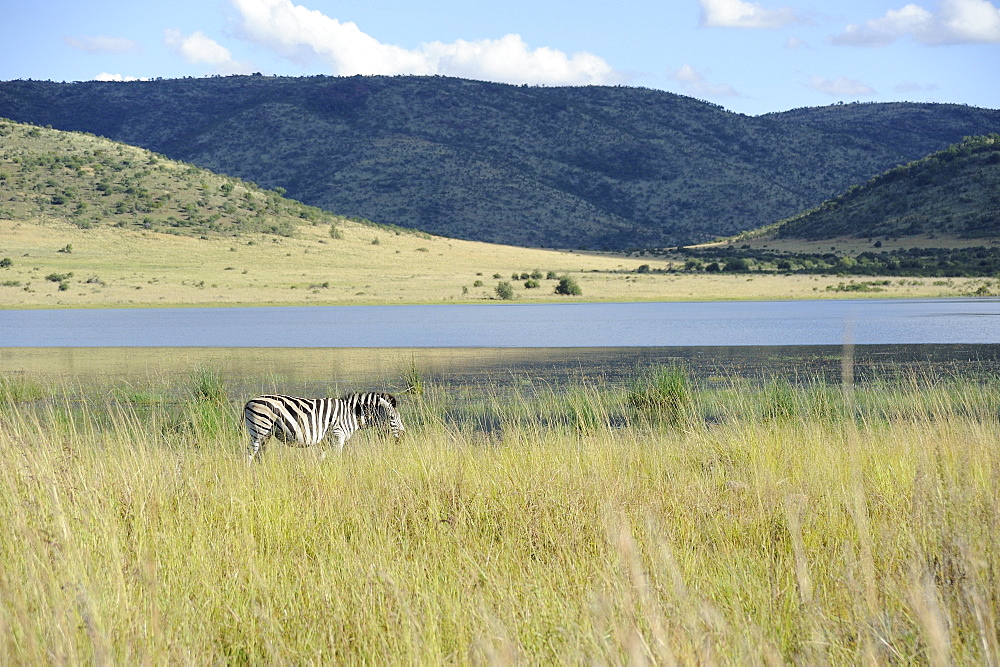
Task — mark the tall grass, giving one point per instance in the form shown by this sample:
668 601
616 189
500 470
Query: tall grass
776 522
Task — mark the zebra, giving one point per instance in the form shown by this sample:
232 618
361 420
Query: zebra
304 422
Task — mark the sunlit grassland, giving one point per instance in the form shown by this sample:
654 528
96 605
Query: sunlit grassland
113 267
654 522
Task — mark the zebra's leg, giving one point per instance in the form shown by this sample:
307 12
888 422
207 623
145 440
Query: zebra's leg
256 450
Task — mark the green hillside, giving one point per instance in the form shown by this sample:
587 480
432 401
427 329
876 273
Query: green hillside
597 167
950 193
90 181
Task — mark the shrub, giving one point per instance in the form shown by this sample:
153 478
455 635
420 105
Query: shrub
6 263
737 265
505 290
530 284
551 275
568 286
643 268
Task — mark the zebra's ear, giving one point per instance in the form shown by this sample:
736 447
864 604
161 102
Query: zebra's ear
389 397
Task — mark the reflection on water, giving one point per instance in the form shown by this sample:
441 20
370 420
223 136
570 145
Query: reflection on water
328 371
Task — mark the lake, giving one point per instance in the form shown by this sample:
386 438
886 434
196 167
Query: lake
586 325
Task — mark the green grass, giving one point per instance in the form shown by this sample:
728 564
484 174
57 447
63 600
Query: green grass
779 521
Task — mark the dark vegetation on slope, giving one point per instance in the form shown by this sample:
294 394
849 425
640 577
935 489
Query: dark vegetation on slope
597 167
953 192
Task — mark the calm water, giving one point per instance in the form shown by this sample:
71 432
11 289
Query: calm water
763 323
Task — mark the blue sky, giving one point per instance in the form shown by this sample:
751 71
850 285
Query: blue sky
750 57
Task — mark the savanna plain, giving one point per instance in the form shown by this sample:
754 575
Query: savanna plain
56 265
659 519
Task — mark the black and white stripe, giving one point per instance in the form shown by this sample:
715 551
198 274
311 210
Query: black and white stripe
304 422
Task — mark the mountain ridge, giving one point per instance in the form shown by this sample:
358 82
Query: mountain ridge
598 167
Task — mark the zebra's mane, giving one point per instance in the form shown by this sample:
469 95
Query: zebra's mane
380 394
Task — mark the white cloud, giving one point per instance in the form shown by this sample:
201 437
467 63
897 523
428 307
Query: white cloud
114 45
887 29
511 59
741 14
963 21
197 48
840 87
693 83
914 87
796 43
104 76
306 35
954 22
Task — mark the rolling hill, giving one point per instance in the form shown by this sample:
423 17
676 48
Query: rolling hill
597 167
89 181
953 193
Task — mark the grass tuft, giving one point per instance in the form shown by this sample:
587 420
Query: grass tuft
17 389
662 395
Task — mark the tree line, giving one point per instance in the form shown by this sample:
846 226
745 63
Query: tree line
974 262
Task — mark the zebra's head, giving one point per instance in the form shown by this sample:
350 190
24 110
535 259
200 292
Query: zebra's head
392 415
380 411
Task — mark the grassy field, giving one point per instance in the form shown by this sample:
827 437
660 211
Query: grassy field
661 521
58 265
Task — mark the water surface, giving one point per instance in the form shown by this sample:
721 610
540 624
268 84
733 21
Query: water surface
730 323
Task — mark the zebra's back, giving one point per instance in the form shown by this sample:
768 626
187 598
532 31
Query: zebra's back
294 420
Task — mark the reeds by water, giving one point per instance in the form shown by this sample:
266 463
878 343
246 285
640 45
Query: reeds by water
767 522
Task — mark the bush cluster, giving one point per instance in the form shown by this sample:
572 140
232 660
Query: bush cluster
975 262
